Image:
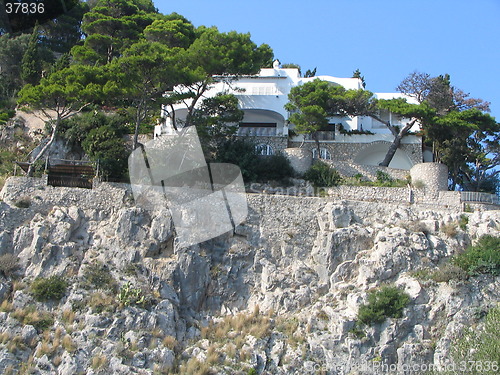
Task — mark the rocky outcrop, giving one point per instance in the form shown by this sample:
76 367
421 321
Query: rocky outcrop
280 294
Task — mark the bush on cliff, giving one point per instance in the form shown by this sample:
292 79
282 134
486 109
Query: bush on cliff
322 175
387 302
484 257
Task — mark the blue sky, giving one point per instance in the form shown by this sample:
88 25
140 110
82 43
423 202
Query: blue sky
385 39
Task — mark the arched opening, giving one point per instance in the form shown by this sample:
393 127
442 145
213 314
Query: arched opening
263 149
261 122
323 153
375 153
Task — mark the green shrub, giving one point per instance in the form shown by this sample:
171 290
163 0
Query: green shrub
24 202
8 264
387 302
274 168
322 175
41 320
383 177
448 272
480 348
463 221
129 296
254 168
107 145
97 276
484 257
52 288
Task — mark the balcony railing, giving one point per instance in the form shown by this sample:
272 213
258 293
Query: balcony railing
257 131
474 196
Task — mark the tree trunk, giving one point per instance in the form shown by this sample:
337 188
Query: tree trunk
395 144
138 119
31 168
316 139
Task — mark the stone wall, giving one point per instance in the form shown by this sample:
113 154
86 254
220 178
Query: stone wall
350 169
278 144
349 151
433 175
104 198
300 158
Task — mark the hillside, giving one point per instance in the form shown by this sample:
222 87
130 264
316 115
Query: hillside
279 296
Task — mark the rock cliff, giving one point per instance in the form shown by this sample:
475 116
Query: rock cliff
280 295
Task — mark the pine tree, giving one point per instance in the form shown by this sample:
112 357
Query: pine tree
357 74
30 66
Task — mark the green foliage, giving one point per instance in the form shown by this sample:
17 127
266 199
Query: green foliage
111 27
357 74
445 273
9 263
51 288
484 257
383 177
23 202
173 31
254 167
274 168
5 115
322 175
41 320
98 276
463 221
130 296
387 302
214 52
31 68
357 331
105 145
240 152
77 128
479 349
66 90
12 50
216 121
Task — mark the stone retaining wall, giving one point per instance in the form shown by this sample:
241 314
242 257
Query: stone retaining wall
300 159
433 175
349 169
349 151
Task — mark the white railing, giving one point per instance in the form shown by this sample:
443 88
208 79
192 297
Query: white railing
474 196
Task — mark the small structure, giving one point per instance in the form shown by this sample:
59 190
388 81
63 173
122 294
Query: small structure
67 173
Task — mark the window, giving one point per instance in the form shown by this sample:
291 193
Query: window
323 154
264 149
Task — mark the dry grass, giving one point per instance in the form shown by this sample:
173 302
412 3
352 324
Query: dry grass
15 343
45 348
230 350
68 316
241 324
450 229
195 367
18 285
41 320
6 306
99 361
68 344
100 302
8 264
57 360
4 337
213 356
169 342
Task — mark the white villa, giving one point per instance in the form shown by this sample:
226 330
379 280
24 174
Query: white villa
262 97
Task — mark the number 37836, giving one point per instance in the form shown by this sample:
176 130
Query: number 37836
26 8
